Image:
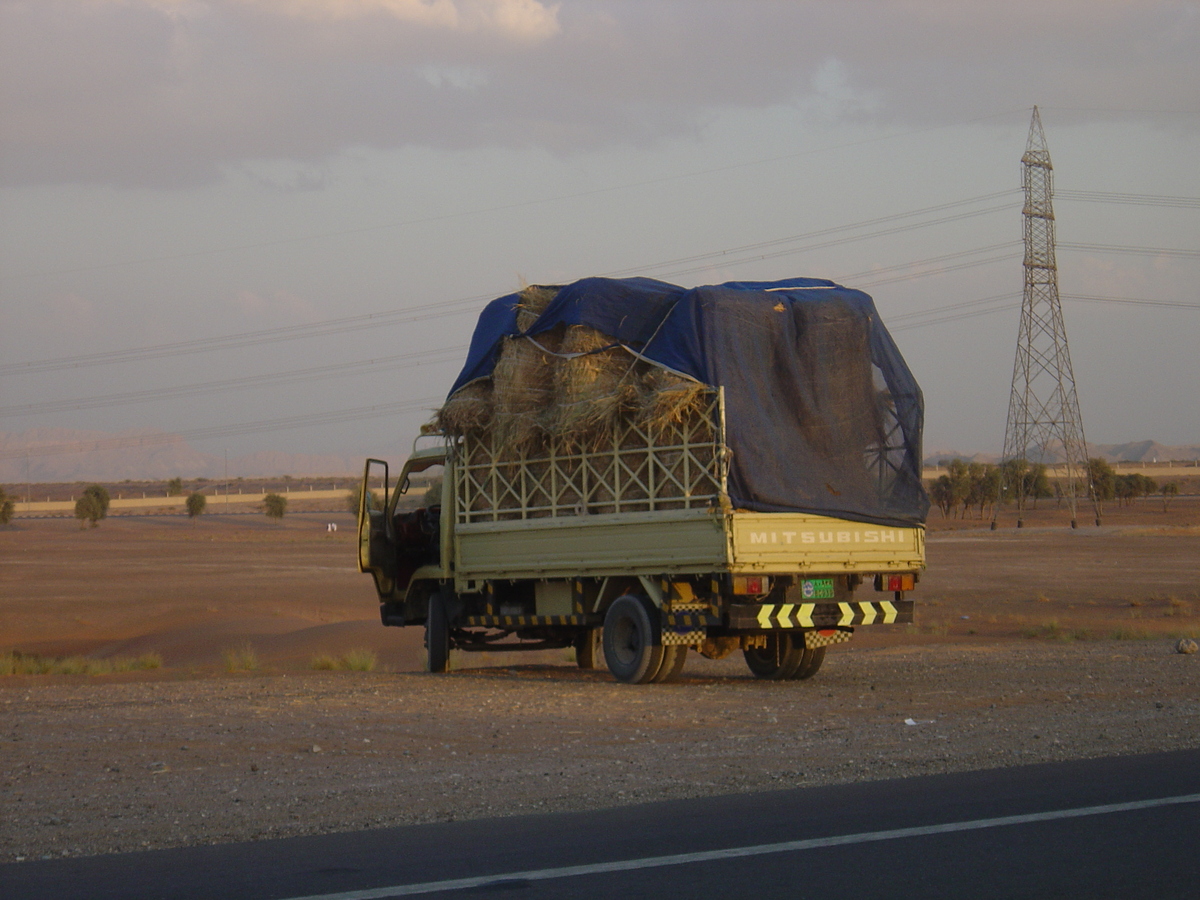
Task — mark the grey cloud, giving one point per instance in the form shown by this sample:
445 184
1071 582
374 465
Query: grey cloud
163 93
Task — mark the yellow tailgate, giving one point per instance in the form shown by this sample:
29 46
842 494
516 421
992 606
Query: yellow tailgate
789 542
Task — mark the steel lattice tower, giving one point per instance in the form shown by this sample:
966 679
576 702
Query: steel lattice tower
1043 409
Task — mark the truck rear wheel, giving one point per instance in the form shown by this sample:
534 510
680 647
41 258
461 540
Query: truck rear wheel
779 659
810 664
437 634
589 648
672 664
629 648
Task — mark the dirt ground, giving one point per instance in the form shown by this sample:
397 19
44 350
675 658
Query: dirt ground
1031 644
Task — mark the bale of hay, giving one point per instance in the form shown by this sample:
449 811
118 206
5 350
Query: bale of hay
668 400
594 384
468 411
523 391
532 301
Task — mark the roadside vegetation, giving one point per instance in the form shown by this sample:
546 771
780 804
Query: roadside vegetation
92 505
350 661
243 658
15 663
196 502
275 506
970 486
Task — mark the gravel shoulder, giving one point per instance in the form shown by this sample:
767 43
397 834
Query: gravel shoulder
101 767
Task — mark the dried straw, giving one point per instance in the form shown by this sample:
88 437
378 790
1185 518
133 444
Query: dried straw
469 409
532 301
523 390
668 399
593 386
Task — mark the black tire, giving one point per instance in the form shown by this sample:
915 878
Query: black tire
589 648
672 664
779 659
810 664
437 635
631 650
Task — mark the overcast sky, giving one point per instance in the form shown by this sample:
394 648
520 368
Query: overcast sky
178 171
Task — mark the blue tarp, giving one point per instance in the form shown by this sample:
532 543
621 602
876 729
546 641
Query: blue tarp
822 413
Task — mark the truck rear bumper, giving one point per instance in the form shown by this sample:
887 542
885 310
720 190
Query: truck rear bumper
763 616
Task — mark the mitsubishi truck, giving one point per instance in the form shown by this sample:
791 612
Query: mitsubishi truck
778 512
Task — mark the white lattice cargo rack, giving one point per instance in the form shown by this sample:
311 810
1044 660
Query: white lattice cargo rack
639 467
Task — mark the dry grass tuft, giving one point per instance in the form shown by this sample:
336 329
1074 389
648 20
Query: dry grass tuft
15 663
241 659
350 661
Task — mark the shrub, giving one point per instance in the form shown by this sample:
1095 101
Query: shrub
14 663
240 659
374 501
350 661
7 507
360 660
274 505
100 493
87 509
195 504
174 487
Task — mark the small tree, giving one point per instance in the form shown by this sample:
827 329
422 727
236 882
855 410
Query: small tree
99 493
1169 492
174 487
196 502
87 509
1104 481
941 492
374 501
274 505
7 507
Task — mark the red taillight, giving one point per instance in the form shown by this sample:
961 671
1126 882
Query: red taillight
894 583
751 584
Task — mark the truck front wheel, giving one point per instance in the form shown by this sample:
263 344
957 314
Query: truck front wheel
629 648
437 634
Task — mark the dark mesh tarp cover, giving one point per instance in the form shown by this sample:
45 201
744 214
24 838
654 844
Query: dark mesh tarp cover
822 414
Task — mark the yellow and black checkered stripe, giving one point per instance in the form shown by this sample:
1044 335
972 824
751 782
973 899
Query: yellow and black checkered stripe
692 620
520 621
690 638
826 637
761 616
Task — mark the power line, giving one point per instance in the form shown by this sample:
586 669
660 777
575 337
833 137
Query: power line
461 305
383 364
251 338
1138 199
1142 251
507 207
837 229
720 256
217 431
1168 304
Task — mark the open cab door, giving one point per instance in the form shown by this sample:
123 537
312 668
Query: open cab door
376 553
394 545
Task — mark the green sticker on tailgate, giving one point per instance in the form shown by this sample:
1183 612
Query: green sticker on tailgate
816 588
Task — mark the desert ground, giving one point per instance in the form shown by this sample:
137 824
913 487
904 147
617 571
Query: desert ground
1031 644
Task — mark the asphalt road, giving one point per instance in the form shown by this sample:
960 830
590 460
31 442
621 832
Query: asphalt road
1127 827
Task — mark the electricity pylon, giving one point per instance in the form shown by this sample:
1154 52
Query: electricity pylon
1043 408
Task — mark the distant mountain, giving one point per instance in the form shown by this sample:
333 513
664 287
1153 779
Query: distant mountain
1134 451
63 454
